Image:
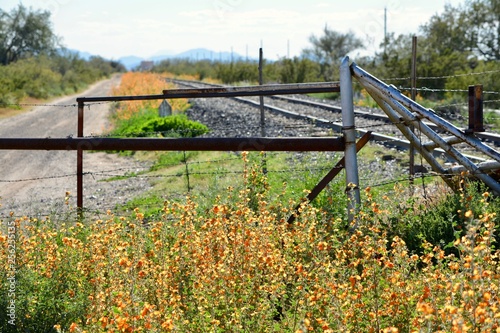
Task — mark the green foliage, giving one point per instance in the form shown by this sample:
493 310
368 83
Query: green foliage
172 158
237 72
33 65
436 219
44 77
488 79
297 70
329 49
25 32
148 123
202 68
482 17
50 296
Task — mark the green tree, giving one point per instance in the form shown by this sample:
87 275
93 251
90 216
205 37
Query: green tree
483 27
25 32
297 70
329 49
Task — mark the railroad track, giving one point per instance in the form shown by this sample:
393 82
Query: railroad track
328 116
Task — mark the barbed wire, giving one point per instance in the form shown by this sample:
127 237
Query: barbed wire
426 89
441 77
36 178
37 104
66 211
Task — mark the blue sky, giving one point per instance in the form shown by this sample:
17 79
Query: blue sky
144 28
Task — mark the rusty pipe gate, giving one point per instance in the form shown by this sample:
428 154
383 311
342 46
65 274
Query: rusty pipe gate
231 144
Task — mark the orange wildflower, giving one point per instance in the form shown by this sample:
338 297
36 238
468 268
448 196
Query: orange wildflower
73 327
168 324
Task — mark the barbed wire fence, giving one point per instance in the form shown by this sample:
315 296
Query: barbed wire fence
190 173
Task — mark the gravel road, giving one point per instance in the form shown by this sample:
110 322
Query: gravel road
34 183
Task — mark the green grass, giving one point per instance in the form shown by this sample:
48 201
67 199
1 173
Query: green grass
210 173
492 120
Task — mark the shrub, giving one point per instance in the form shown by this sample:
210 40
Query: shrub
148 123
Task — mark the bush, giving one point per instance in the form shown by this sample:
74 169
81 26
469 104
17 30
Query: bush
43 77
147 123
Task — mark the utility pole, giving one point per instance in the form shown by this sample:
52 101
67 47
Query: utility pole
385 29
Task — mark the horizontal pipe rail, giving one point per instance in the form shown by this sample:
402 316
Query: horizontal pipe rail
177 144
264 90
261 90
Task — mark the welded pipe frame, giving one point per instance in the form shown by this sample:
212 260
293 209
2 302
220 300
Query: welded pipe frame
389 95
410 135
413 106
448 148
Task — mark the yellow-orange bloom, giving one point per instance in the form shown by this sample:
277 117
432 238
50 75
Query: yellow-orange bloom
425 308
73 327
123 262
168 324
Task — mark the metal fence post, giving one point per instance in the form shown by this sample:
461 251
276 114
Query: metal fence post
413 79
79 163
349 132
476 108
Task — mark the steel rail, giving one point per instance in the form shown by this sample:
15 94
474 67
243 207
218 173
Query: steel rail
387 140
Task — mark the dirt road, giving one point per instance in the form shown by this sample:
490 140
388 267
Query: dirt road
34 183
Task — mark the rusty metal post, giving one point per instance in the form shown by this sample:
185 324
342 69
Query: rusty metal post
413 79
261 98
79 163
262 114
349 132
476 109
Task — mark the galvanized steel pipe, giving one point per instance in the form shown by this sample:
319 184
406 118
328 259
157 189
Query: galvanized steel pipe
349 131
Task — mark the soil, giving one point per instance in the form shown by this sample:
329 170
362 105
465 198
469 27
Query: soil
34 183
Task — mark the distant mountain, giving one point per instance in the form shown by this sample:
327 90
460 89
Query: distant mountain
81 54
131 62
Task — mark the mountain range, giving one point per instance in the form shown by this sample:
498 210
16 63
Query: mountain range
131 62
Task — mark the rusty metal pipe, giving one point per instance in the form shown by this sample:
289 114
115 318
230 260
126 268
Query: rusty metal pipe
79 161
167 144
264 90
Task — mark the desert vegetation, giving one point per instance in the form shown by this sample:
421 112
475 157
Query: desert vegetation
227 260
35 66
237 265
